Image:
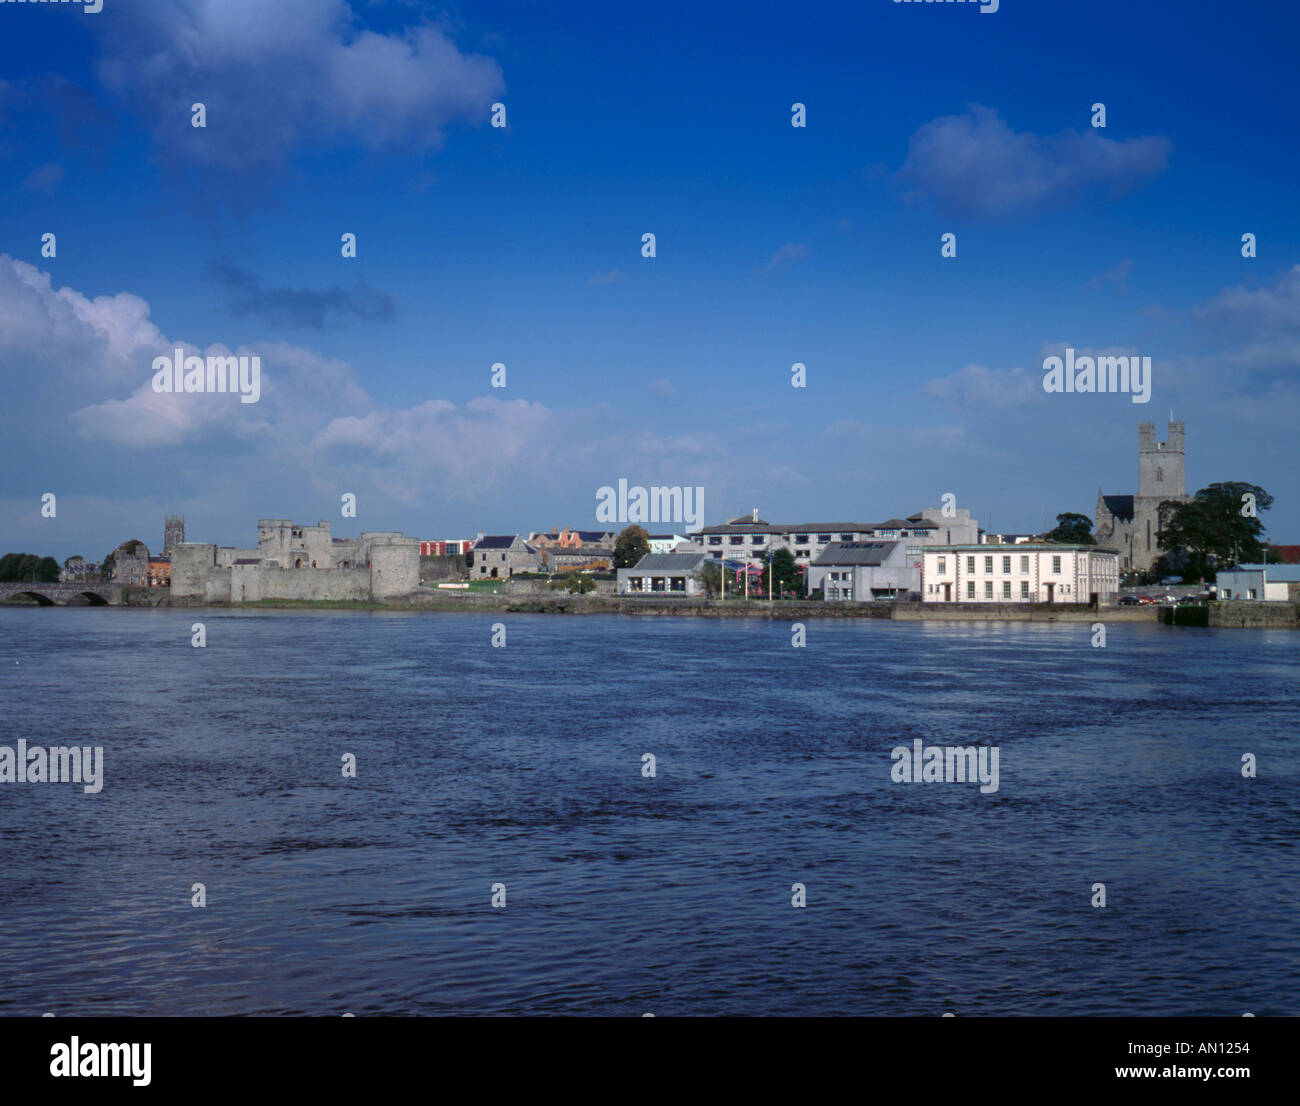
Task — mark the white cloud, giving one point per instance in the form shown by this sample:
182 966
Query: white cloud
275 76
976 165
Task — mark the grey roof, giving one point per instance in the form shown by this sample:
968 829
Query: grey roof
857 553
818 527
1121 506
496 541
669 562
1279 574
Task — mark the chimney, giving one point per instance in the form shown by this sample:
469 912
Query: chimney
755 514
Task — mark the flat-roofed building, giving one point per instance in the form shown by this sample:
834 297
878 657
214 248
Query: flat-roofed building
1269 583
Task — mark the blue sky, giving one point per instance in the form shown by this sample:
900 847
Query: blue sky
523 245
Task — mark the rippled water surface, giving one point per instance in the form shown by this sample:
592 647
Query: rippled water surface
522 765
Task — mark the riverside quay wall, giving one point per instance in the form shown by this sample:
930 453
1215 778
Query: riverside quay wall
1244 614
785 610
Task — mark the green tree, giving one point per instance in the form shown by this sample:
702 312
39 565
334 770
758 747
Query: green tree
1217 527
1073 529
18 568
710 576
630 546
786 571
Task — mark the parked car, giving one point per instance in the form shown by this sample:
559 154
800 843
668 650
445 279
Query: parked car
1129 601
1147 599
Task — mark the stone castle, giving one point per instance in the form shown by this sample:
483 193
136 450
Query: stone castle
297 562
1131 523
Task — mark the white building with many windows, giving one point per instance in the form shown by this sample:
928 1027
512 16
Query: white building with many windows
1037 572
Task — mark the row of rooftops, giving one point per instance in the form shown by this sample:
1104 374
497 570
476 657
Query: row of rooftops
744 525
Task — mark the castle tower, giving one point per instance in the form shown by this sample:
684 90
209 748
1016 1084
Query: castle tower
173 533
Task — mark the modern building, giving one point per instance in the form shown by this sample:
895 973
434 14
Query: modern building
749 539
663 574
496 556
1263 582
864 571
1131 524
455 547
1038 572
669 543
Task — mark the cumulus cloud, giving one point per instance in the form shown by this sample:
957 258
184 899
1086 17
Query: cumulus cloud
976 165
279 76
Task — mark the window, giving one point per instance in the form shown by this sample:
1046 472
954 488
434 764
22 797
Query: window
677 583
1006 564
988 564
942 570
1024 564
801 552
1006 589
988 589
970 589
846 537
758 539
736 539
634 583
801 539
715 539
1056 564
1250 593
656 583
1024 589
970 564
823 538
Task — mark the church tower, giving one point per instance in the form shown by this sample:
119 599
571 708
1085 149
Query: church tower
1162 470
173 533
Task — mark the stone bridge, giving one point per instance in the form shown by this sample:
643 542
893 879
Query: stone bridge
60 595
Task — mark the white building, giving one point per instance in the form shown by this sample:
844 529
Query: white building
750 539
1037 572
1266 582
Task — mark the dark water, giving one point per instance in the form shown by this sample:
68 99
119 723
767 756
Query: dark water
522 766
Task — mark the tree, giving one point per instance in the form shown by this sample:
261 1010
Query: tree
1218 526
710 575
18 568
1072 529
786 570
630 546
